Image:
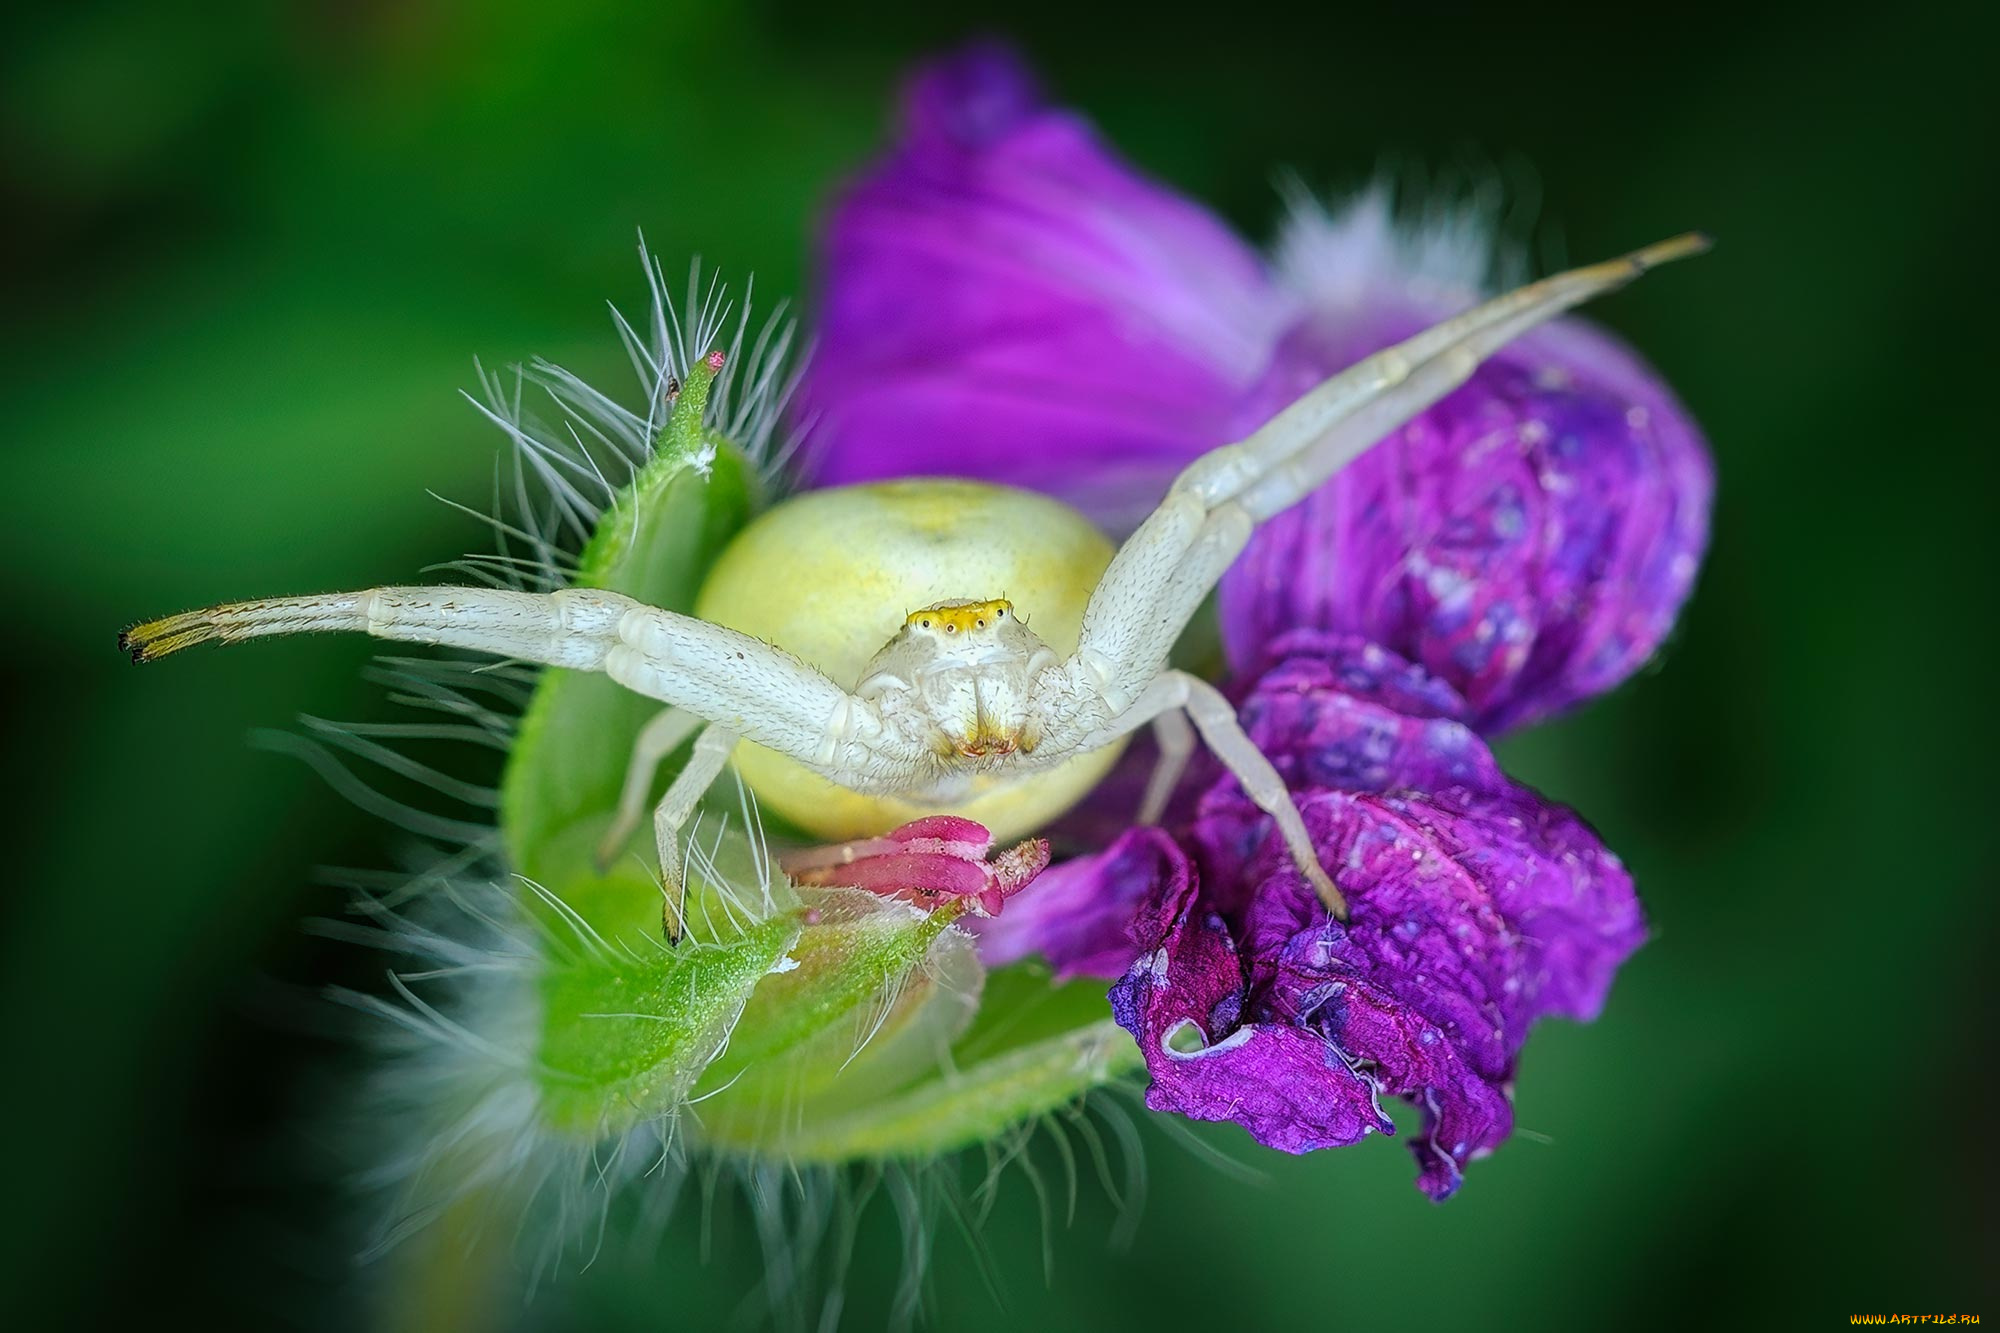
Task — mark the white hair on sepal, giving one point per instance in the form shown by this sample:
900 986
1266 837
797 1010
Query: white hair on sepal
448 684
565 473
456 1089
1430 242
457 1086
471 1162
319 755
735 874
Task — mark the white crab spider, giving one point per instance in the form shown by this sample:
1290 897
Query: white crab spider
966 687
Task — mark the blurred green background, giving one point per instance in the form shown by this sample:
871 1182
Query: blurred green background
254 249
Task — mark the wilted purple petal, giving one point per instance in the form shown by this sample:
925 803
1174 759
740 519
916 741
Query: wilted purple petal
1478 908
1184 1000
1004 299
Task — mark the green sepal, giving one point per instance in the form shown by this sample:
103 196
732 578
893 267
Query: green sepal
1035 1047
625 1038
628 1021
879 991
656 543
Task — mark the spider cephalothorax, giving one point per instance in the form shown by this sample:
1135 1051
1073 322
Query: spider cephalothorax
965 669
965 690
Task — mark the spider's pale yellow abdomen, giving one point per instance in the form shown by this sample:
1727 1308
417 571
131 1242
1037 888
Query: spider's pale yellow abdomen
831 575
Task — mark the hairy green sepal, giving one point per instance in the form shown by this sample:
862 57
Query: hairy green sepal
655 543
814 1025
1034 1047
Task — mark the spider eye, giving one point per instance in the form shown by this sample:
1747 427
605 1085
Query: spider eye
925 623
979 624
999 613
951 629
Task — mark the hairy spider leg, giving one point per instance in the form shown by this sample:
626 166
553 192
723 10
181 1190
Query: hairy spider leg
1293 454
666 732
1158 578
757 690
728 683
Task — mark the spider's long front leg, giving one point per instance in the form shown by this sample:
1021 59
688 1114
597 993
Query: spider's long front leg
718 674
1294 453
1160 575
747 688
1164 569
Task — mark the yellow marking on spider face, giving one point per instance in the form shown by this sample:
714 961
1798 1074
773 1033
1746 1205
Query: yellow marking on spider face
960 617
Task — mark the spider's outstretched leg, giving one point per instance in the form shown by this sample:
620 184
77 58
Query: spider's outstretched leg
762 692
1293 454
711 756
1162 572
746 687
660 737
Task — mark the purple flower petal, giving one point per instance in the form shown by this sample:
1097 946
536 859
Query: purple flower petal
1478 908
1080 913
1529 539
1184 1001
1004 299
